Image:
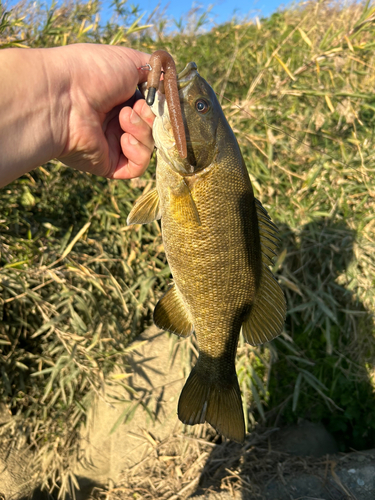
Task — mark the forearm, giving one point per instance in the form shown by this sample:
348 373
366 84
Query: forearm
34 106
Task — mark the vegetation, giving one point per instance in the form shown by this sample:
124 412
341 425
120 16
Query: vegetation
77 285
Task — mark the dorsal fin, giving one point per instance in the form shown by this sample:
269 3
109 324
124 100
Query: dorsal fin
146 209
267 315
170 314
268 234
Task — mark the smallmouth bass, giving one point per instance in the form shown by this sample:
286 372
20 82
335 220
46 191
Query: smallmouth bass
219 242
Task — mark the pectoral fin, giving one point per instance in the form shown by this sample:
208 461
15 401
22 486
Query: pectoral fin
183 204
170 314
267 315
146 209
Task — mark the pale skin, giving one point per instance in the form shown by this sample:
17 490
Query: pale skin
70 103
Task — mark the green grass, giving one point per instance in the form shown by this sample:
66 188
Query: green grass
77 285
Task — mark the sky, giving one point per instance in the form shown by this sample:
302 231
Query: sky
221 10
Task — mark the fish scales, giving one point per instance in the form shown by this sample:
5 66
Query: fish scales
218 240
221 283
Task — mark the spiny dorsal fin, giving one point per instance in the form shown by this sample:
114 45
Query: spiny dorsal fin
267 315
218 403
183 204
146 209
269 239
170 314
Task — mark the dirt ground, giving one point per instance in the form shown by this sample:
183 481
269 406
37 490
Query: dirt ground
252 471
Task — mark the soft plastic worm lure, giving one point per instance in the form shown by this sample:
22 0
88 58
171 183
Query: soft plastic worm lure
163 60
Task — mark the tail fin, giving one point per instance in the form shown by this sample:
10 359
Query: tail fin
217 403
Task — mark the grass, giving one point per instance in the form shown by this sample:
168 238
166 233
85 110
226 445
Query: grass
77 285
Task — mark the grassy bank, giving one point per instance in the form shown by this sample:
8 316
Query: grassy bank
77 285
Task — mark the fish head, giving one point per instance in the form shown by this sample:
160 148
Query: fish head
201 114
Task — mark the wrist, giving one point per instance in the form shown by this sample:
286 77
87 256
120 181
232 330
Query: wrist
58 99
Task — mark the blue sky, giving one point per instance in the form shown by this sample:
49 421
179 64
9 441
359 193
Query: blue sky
221 11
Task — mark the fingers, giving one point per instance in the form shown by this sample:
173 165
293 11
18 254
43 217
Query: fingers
137 122
137 143
144 111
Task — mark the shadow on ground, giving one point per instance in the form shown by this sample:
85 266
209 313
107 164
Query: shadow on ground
332 330
255 471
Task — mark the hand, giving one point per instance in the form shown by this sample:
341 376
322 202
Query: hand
104 137
75 103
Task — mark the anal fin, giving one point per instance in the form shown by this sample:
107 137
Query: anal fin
146 209
267 315
170 314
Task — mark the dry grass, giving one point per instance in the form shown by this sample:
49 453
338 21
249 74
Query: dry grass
184 466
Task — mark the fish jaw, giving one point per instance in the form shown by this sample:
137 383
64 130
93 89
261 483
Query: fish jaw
162 128
188 86
164 138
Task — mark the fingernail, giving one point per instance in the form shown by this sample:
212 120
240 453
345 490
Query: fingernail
134 118
132 140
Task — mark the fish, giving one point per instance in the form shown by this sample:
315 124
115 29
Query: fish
220 243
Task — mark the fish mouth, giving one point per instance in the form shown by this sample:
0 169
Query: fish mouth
142 87
160 106
184 79
163 133
164 137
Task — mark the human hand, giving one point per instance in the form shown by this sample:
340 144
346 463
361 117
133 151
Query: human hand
109 131
68 103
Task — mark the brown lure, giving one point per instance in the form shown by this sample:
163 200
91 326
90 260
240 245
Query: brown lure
162 59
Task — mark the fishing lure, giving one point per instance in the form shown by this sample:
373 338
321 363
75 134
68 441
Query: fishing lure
162 59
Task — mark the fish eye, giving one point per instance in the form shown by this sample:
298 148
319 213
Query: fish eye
202 106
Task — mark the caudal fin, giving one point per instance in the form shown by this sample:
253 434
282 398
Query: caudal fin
217 403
